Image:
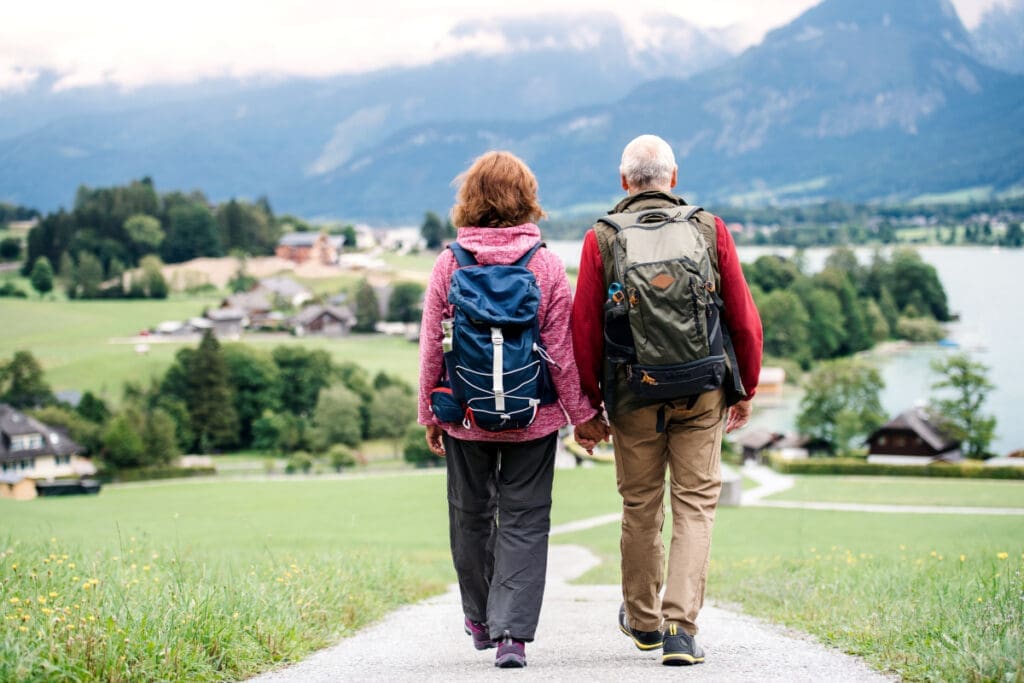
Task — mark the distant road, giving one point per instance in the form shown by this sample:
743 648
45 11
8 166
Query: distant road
8 267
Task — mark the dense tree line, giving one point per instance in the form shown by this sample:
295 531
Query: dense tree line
847 307
217 398
110 230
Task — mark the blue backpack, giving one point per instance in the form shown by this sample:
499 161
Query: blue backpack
497 372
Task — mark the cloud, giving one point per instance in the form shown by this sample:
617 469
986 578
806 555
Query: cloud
131 43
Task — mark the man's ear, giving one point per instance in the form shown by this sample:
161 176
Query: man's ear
675 173
625 184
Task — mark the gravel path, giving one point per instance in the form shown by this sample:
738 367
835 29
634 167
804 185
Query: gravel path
577 640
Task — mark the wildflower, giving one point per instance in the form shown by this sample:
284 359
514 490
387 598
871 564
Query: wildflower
86 586
53 594
235 615
15 601
41 599
902 547
1003 556
23 629
116 558
71 565
981 599
934 554
145 567
963 558
134 565
53 539
14 566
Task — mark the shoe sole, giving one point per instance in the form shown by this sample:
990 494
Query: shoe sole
489 645
510 662
680 660
643 647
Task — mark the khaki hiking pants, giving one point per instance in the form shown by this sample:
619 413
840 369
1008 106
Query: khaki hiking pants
690 449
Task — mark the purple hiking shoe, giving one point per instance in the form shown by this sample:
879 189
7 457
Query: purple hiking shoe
511 654
481 638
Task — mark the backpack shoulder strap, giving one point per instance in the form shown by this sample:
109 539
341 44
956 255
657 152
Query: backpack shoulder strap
525 258
462 256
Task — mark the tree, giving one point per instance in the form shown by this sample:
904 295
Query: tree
145 233
771 272
391 412
158 438
123 446
842 403
337 419
255 379
367 308
88 276
785 322
908 275
192 232
93 408
350 236
1014 236
10 249
825 331
857 336
404 305
115 271
22 384
42 276
209 397
154 285
959 412
303 373
432 230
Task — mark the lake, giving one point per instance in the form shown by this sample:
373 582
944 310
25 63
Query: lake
981 284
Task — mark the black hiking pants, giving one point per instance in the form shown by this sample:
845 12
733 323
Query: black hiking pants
499 513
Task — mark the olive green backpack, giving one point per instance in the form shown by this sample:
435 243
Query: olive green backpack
663 315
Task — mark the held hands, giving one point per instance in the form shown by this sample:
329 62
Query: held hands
589 433
435 442
739 414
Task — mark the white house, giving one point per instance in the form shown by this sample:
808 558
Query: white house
30 449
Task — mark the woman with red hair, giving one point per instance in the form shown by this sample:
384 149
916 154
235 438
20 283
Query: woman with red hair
502 475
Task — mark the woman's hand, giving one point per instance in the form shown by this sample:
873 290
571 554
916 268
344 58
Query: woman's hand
435 440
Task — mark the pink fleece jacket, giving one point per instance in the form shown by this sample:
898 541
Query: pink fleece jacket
505 246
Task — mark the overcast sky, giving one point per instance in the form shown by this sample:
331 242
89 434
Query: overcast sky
133 42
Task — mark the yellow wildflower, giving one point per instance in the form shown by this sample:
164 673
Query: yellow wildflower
41 600
1003 556
53 594
963 558
71 565
23 629
15 601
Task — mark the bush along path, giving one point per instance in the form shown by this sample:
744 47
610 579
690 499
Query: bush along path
578 639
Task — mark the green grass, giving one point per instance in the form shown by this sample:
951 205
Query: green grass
891 588
421 263
906 491
220 580
72 341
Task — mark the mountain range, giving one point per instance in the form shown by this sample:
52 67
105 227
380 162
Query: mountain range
855 99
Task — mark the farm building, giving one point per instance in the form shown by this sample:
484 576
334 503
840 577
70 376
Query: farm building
310 246
911 438
334 321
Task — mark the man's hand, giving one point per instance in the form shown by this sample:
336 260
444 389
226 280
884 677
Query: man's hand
739 415
435 442
589 433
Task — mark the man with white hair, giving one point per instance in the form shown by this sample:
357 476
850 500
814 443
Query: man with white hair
668 340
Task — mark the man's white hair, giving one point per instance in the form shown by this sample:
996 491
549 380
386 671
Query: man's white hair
648 163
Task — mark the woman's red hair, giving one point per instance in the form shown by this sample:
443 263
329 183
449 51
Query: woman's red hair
498 191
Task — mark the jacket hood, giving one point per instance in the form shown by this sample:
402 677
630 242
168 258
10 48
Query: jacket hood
649 199
500 246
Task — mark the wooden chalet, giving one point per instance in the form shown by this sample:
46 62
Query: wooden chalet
912 438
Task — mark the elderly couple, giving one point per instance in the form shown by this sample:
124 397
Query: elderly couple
499 482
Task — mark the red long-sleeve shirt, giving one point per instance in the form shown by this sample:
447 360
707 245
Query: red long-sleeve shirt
741 315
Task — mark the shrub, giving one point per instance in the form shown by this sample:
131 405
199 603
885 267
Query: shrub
341 456
415 450
164 472
299 461
963 470
919 329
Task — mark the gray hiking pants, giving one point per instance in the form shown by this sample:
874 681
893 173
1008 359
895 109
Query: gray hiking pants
499 513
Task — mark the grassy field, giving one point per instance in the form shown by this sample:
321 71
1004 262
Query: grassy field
205 581
210 581
906 491
72 341
932 597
